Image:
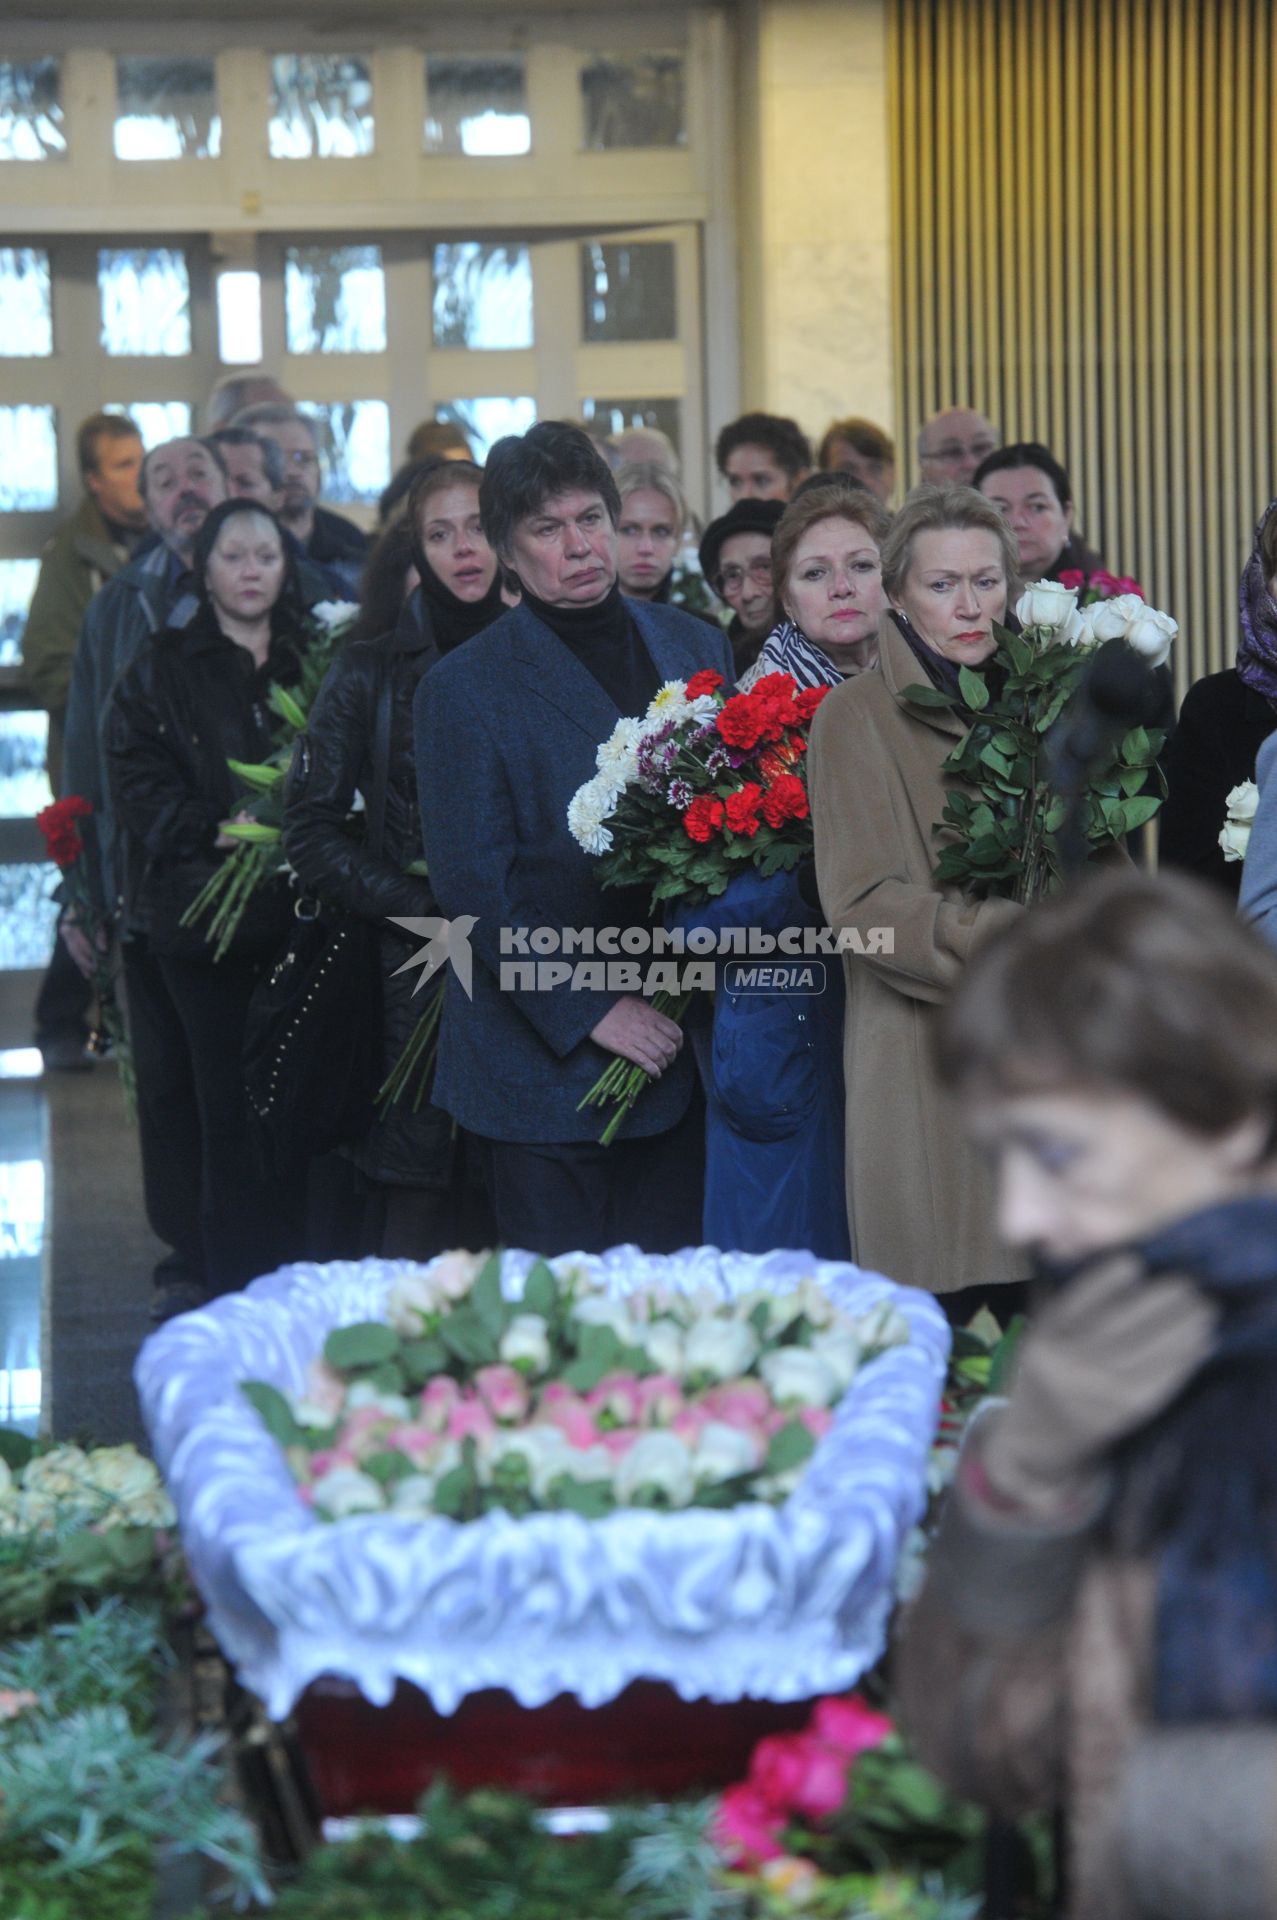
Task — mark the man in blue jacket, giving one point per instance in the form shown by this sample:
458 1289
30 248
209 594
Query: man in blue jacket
508 727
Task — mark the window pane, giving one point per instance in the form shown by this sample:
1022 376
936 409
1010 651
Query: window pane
17 584
484 421
239 318
354 450
627 292
24 784
30 110
166 109
321 107
27 915
28 460
483 296
26 305
156 420
634 100
614 416
146 301
335 299
475 105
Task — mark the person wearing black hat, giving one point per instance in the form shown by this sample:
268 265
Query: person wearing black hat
736 559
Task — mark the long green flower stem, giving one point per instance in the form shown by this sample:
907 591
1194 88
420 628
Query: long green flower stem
416 1063
620 1084
228 890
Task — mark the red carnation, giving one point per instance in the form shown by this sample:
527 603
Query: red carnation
703 818
742 809
775 686
61 835
809 699
785 799
706 681
742 721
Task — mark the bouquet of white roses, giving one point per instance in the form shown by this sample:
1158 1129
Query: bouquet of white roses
1242 804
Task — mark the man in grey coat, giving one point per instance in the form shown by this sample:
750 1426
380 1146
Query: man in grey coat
508 727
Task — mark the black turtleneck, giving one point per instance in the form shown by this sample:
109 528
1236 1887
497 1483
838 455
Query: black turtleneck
606 641
453 620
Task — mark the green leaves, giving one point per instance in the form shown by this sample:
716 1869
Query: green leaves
541 1291
974 690
273 1410
928 696
365 1344
789 1448
599 1353
421 1360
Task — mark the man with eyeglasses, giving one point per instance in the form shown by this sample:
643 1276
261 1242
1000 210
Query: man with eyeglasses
952 444
736 559
329 541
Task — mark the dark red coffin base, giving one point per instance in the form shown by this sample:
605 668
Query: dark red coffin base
647 1743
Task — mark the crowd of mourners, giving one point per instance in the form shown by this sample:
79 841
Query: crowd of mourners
1082 1093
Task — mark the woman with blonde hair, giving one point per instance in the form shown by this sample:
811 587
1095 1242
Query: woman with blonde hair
918 1198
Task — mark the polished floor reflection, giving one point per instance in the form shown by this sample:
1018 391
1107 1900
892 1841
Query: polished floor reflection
23 1246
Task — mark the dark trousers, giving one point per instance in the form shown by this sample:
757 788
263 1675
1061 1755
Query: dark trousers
167 1112
579 1197
248 1225
65 996
354 1217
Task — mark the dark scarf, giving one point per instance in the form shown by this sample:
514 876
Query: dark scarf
608 645
453 621
1198 1488
1257 650
944 673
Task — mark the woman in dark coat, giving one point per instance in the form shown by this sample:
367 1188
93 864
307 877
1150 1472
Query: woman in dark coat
415 1194
1224 721
196 698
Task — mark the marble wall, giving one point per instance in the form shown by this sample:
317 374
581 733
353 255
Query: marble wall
814 198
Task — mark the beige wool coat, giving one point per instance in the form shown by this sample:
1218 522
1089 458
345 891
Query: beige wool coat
920 1200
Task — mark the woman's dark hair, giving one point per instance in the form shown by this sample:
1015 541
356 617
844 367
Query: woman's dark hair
381 588
1026 453
525 470
290 607
437 478
783 438
1267 542
401 482
863 436
1134 984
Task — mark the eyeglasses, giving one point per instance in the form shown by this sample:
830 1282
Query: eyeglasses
732 579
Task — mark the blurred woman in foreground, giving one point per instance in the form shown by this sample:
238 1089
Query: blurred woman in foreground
1098 1623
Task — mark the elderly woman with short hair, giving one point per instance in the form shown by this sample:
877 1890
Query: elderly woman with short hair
919 1201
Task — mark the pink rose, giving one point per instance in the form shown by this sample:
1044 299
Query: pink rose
745 1829
796 1773
416 1442
440 1396
817 1420
504 1392
470 1420
849 1725
329 1457
738 1403
618 1440
616 1399
572 1418
690 1423
1073 577
1126 585
324 1388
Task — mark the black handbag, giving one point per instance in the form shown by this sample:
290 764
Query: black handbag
313 1039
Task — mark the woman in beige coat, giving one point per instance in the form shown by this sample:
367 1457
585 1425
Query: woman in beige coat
919 1199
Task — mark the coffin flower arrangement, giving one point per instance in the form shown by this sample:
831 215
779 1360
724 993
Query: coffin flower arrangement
550 1476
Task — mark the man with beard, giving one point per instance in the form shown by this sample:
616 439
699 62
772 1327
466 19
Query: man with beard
330 542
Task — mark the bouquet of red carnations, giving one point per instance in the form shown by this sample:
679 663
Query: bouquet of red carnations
702 785
64 843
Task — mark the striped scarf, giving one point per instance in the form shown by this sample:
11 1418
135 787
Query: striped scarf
788 650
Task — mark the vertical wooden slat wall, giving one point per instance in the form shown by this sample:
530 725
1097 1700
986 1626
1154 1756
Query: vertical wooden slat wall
1084 199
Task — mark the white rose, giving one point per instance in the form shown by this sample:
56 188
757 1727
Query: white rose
663 1345
6 1479
334 613
841 1352
783 1309
722 1452
413 1494
819 1309
1150 635
1243 801
525 1344
882 1327
455 1273
346 1490
1110 619
392 1406
1046 604
798 1377
61 1471
657 1462
544 1451
1234 839
720 1347
122 1473
412 1301
601 1310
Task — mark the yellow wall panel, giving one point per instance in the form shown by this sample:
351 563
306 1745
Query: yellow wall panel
1083 196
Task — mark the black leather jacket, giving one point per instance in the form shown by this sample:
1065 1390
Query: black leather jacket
332 761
